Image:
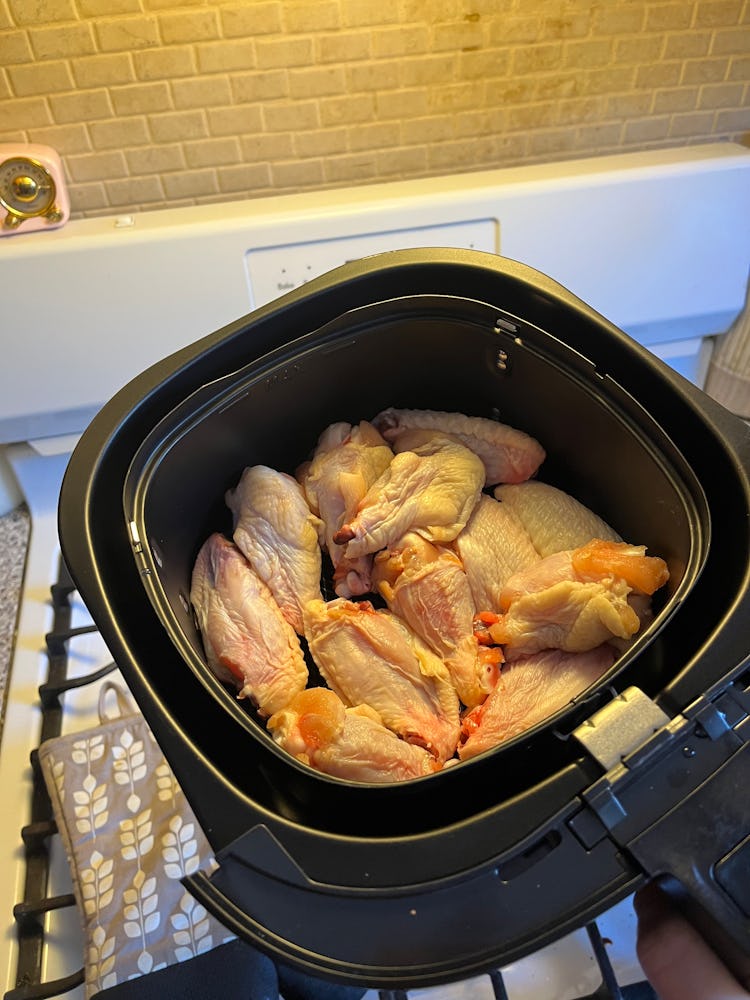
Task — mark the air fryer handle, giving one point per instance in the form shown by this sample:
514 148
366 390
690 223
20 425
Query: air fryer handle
700 856
713 933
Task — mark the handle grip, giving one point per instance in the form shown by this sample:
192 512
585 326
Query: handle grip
714 934
700 856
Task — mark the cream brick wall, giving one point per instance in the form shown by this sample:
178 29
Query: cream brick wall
154 103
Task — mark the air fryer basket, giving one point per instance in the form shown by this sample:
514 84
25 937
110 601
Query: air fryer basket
271 415
441 877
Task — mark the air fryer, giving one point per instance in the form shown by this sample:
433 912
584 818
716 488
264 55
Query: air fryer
439 878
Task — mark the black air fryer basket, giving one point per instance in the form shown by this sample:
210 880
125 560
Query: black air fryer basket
646 774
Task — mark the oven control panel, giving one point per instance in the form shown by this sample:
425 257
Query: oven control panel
272 271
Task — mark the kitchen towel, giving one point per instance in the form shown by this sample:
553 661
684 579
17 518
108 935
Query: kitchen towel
130 836
233 971
728 377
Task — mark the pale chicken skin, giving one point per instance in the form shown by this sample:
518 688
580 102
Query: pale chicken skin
347 461
247 640
508 455
370 657
279 535
577 599
351 743
493 546
570 615
530 690
431 489
553 519
426 585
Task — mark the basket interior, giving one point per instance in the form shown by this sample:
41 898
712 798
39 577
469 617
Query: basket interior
426 352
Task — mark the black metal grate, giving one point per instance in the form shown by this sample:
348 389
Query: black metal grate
29 914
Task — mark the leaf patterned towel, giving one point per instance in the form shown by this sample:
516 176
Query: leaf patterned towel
129 836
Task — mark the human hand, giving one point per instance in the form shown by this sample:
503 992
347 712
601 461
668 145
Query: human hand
677 961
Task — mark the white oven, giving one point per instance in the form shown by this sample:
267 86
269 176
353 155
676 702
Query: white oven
655 241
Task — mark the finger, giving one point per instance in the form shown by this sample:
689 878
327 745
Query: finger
677 961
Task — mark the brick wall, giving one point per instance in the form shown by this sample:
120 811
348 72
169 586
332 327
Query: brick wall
157 102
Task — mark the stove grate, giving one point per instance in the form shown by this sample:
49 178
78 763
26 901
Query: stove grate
30 913
36 835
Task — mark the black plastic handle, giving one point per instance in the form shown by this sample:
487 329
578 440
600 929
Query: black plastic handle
700 855
723 943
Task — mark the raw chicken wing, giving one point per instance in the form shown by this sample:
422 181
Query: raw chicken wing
346 463
529 690
279 536
431 489
246 638
351 743
570 615
577 599
426 585
554 519
370 657
493 546
509 455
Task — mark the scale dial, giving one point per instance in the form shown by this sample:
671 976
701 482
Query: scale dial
32 189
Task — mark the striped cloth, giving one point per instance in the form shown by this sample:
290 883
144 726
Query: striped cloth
728 378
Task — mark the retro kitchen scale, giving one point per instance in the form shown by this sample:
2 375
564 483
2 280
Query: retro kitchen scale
33 193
